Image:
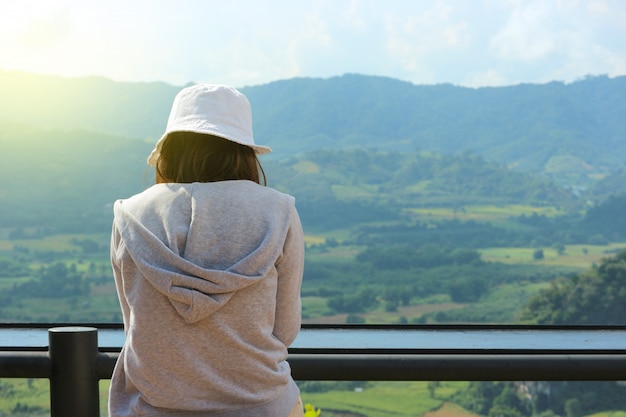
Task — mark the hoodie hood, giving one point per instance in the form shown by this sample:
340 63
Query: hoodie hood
194 291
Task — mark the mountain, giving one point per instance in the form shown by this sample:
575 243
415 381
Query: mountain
58 177
575 129
572 133
131 110
66 179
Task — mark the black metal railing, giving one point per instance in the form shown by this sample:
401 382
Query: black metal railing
75 358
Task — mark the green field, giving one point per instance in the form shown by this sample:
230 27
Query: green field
30 397
102 305
609 414
24 397
500 304
491 213
578 256
54 243
382 399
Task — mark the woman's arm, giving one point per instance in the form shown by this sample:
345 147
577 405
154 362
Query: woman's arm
290 268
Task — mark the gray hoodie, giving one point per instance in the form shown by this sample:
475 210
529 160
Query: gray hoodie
208 277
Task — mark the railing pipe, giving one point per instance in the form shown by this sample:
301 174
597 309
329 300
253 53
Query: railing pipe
25 365
440 367
458 367
73 379
71 358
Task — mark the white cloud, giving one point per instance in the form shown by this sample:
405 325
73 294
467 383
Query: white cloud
352 15
563 40
528 34
490 77
416 39
312 40
245 42
597 7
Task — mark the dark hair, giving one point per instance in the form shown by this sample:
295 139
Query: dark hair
188 157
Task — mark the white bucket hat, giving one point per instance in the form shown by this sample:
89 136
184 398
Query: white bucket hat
211 109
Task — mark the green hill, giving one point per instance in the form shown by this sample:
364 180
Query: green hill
524 125
59 176
572 132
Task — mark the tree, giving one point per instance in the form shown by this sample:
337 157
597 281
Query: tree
573 408
432 388
364 299
54 281
560 248
479 396
354 319
507 404
596 296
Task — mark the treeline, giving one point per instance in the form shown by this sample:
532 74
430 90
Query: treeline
598 226
596 296
398 275
541 399
54 281
392 257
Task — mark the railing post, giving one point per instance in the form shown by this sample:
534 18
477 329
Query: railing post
73 381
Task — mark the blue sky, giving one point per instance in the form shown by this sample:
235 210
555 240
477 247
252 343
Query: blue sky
463 42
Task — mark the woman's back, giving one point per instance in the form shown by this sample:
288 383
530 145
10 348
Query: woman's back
208 267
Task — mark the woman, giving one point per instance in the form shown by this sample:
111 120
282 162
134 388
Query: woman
208 266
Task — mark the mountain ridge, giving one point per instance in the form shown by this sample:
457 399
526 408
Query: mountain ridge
572 133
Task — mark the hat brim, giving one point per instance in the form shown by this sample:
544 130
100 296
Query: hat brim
154 155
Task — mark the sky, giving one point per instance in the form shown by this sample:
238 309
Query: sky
470 43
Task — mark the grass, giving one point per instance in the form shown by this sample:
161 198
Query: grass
314 307
102 308
315 310
576 256
491 213
25 397
31 397
306 167
316 237
55 243
104 396
314 240
384 399
609 414
346 192
418 187
450 410
339 254
377 399
380 316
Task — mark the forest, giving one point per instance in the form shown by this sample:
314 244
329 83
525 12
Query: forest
420 204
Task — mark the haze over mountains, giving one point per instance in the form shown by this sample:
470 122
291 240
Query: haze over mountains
73 146
553 128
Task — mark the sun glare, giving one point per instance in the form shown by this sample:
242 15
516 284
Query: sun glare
53 38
